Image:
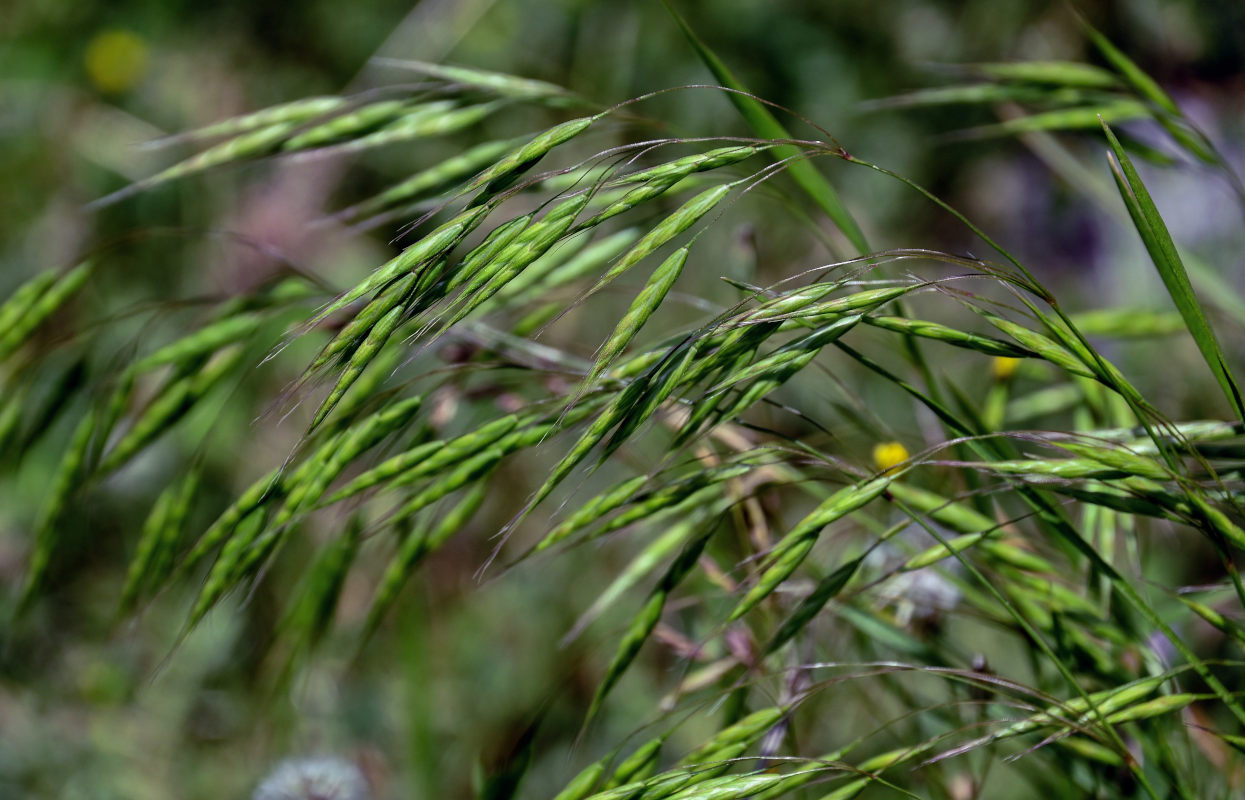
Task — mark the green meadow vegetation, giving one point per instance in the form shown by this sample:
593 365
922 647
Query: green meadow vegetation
599 448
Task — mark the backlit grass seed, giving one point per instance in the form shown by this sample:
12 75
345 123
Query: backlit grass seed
35 301
496 82
528 154
346 125
1005 351
425 251
485 254
637 765
412 549
427 181
682 219
791 550
359 361
427 121
649 298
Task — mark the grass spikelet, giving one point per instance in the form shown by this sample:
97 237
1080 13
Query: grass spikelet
745 732
157 543
297 111
532 283
1218 521
639 765
958 516
1119 458
683 218
326 464
522 158
1127 323
412 549
317 472
430 119
1058 73
201 343
698 162
859 301
359 361
791 550
269 487
1066 469
615 204
644 622
826 590
1040 345
628 647
979 94
940 552
591 511
789 359
354 333
653 554
488 250
582 784
247 146
426 182
951 336
385 471
227 570
528 246
473 78
645 303
19 303
314 611
1154 708
652 392
668 501
425 251
34 302
428 459
1216 619
1064 119
591 259
469 471
175 399
347 125
803 304
11 406
72 471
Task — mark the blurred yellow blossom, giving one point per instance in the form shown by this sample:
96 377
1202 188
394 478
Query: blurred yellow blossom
115 60
1003 367
888 455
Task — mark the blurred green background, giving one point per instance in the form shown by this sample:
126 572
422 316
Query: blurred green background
91 708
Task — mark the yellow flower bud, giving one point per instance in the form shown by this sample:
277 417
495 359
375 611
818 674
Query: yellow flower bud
115 60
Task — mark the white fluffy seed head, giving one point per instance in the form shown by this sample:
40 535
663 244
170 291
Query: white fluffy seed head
317 778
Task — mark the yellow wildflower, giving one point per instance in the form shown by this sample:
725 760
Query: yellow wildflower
1003 367
888 455
115 60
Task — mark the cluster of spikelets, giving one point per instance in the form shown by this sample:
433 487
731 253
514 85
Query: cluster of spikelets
699 387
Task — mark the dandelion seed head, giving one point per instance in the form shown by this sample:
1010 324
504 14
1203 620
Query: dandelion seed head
317 778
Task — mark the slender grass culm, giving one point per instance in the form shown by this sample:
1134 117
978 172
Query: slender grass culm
768 583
